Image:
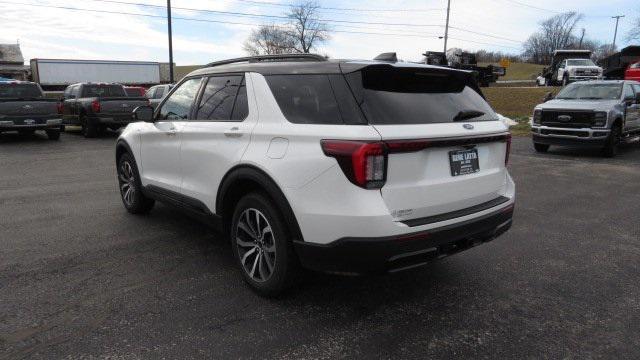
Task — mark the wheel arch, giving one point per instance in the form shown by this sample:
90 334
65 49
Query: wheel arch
245 178
122 147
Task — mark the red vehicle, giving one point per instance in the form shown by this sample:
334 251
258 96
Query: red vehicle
135 91
633 72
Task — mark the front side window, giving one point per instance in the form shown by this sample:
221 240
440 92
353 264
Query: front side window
224 99
178 105
628 92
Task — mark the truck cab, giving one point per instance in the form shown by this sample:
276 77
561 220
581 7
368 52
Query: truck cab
568 66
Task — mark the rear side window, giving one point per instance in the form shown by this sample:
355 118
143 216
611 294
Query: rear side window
178 105
224 98
20 91
103 91
417 96
311 99
158 93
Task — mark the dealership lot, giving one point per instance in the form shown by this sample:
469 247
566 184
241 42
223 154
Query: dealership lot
80 277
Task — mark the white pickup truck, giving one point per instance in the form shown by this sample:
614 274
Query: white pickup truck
569 66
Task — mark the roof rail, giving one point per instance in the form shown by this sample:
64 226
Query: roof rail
269 58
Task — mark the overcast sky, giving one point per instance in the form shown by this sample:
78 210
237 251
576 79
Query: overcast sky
48 32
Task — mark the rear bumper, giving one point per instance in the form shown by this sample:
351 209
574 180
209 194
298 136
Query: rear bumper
399 252
9 125
569 137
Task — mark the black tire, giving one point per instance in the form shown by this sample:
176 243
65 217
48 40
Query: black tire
565 80
541 148
129 180
281 260
89 129
613 141
53 134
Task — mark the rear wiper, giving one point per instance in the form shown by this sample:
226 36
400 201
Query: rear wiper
467 114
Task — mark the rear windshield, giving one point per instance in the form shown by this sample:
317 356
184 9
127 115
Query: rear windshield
134 92
20 91
103 91
390 96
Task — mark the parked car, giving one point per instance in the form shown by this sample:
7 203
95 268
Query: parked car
23 108
98 106
633 72
568 66
340 166
595 113
156 93
135 91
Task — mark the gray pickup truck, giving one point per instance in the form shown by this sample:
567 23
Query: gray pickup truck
600 113
96 107
23 108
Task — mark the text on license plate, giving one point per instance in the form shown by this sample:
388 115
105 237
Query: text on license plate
464 162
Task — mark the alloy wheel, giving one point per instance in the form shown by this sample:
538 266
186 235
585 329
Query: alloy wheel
126 178
255 243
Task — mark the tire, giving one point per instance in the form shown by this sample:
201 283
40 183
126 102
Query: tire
89 130
541 148
131 188
267 261
613 141
53 134
565 80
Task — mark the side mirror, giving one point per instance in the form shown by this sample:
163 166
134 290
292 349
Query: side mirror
143 113
548 96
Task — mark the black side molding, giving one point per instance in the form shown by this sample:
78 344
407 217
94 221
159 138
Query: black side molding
193 207
458 213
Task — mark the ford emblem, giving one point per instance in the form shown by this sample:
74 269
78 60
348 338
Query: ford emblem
468 126
27 107
564 118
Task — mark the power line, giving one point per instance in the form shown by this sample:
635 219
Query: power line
235 22
219 12
260 3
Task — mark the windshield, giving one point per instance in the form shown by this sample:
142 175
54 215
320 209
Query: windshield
591 91
417 96
103 91
580 62
16 91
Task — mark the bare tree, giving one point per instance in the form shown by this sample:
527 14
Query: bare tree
301 34
305 26
555 33
634 32
269 40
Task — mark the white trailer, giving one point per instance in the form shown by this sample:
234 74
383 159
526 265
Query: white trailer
54 74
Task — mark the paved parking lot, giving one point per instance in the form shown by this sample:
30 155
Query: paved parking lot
81 278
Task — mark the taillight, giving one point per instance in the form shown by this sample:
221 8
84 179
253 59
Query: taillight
60 108
364 163
506 156
95 106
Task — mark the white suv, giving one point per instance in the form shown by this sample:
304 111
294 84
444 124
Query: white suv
339 166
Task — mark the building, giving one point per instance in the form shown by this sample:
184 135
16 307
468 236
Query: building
12 63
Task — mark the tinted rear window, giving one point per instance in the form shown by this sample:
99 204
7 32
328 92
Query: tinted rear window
315 99
20 91
103 91
416 96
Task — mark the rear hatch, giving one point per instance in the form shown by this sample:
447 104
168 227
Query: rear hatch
19 101
120 106
446 147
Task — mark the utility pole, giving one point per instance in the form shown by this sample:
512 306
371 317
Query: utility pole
615 34
170 42
446 28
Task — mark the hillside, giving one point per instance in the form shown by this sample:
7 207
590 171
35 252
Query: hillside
521 71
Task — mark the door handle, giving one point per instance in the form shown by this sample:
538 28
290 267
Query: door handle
233 132
171 132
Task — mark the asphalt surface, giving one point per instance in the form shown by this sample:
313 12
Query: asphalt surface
81 278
